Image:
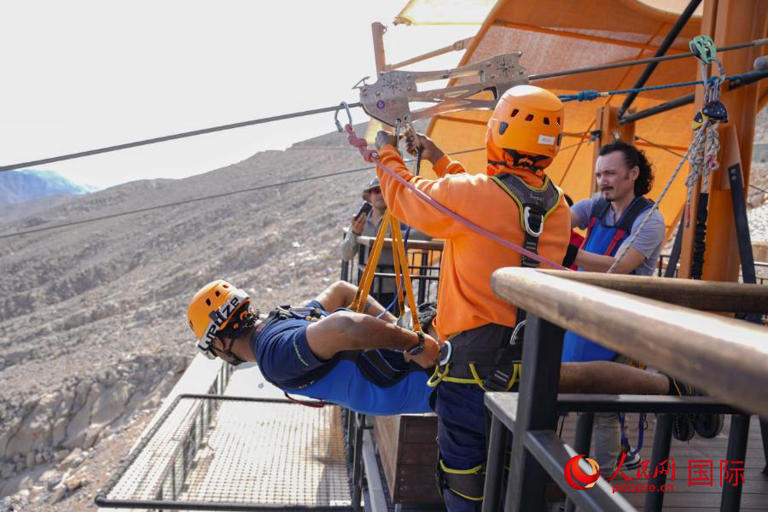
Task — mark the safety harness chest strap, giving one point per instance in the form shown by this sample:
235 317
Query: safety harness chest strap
534 206
625 223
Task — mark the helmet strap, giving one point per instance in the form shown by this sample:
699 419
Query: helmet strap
518 160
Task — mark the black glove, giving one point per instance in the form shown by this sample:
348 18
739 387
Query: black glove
570 255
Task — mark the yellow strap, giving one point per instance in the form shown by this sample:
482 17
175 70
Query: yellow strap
399 249
400 260
366 280
438 376
399 268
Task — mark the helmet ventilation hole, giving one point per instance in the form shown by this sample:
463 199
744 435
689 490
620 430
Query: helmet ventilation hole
217 293
208 302
546 121
558 121
529 117
225 285
503 127
514 112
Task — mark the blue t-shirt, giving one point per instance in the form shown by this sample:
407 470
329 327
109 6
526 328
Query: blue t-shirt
284 357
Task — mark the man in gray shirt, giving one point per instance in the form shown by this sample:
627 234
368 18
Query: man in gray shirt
623 176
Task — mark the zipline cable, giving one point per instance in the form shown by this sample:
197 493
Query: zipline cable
205 198
175 136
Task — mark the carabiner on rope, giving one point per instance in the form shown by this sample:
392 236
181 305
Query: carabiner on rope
345 106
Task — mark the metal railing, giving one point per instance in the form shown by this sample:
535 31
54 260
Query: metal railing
423 263
761 268
669 336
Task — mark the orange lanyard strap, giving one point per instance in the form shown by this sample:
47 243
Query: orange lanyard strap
370 267
400 262
398 249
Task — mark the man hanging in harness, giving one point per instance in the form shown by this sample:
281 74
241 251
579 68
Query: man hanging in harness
514 200
337 357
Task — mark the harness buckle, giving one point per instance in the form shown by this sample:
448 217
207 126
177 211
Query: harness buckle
527 223
497 380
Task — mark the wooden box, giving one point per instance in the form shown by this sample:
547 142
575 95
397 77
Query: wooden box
408 449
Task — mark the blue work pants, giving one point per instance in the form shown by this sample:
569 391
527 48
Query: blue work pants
461 435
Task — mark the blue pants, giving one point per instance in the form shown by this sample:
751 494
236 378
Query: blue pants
461 435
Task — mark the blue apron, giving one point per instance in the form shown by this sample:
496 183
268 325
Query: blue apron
601 239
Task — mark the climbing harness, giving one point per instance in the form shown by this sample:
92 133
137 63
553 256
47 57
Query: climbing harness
467 483
375 365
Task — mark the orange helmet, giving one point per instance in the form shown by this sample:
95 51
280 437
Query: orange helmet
218 307
527 119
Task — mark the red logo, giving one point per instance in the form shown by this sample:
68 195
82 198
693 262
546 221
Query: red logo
576 477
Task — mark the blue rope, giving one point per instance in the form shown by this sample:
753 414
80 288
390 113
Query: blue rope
640 431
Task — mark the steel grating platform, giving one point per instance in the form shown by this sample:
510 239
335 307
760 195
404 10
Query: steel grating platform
213 452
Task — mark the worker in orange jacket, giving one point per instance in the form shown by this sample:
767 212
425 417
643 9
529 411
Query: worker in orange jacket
516 201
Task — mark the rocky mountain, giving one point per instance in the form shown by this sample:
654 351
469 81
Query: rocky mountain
93 315
21 186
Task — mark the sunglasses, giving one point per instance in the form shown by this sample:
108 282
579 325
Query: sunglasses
375 190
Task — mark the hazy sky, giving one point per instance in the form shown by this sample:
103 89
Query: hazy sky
79 75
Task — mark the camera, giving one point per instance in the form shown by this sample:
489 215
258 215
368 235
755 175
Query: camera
364 209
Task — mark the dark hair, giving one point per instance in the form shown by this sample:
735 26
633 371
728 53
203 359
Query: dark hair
633 157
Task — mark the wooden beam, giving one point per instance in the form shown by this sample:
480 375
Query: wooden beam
726 358
378 46
455 47
701 295
737 20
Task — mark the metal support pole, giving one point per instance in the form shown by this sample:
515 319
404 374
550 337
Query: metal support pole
536 410
581 443
661 443
737 451
498 440
357 459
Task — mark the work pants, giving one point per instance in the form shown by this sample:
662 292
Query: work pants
461 435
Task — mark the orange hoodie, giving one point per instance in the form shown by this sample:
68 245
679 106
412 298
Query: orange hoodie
465 299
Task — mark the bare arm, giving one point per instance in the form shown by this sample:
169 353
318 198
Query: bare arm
341 294
600 263
346 330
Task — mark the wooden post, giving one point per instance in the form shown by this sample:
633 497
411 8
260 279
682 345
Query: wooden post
728 22
607 122
378 46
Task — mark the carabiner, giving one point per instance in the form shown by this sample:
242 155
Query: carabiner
336 116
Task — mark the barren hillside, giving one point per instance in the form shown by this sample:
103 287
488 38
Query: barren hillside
93 316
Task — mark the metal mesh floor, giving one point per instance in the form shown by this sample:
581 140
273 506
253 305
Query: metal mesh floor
255 453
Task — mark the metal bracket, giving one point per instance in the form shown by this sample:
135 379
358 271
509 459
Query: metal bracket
388 100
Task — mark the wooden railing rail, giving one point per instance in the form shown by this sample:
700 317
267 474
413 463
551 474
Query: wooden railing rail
727 358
